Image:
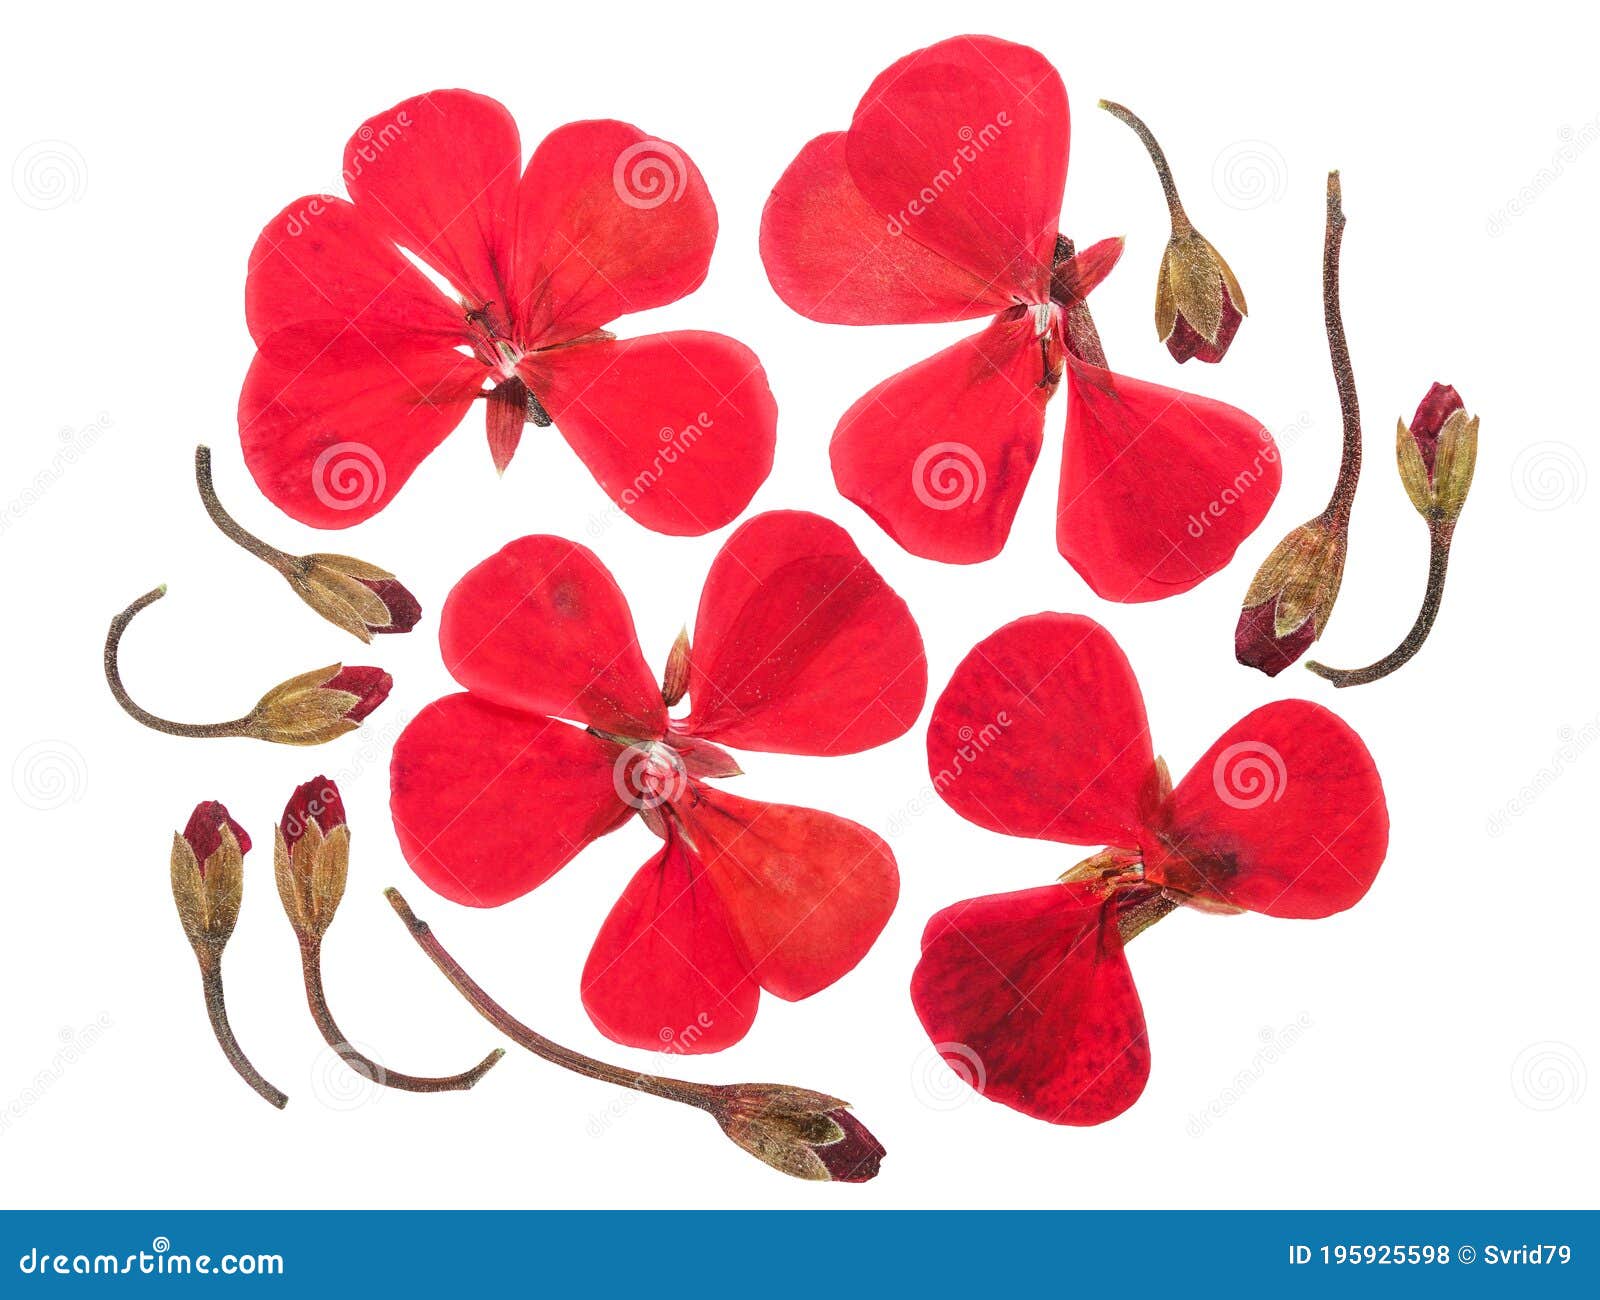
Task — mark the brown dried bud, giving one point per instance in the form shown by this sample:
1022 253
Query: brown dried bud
1437 454
311 856
798 1132
1199 304
359 597
208 877
1290 598
675 681
318 706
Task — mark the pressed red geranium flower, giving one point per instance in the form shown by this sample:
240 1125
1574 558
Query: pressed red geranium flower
363 366
1042 733
563 735
942 203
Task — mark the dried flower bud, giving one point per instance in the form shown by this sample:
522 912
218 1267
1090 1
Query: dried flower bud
1198 302
318 706
359 597
1437 454
800 1133
675 681
1290 598
311 856
208 875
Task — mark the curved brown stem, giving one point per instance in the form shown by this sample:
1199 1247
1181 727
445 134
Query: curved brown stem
217 1010
142 715
1169 188
691 1094
1439 537
317 1000
226 523
1337 513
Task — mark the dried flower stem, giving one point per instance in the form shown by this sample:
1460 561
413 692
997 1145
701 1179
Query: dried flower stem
217 1010
1083 339
1169 188
691 1094
1337 514
1440 534
228 525
317 999
238 727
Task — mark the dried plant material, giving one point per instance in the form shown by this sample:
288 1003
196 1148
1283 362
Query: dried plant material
1199 304
942 202
605 220
207 883
1437 454
311 859
310 709
361 598
798 1132
1042 733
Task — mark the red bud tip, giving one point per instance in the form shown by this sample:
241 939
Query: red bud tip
1186 343
857 1156
370 686
316 801
404 609
1438 406
204 831
1256 645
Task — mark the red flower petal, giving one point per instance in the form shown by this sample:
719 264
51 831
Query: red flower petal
1042 733
799 646
610 221
940 454
665 973
330 443
438 175
489 803
1284 815
320 262
807 893
964 146
543 627
832 258
1029 997
1158 487
678 428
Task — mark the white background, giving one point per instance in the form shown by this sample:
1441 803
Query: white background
1448 1021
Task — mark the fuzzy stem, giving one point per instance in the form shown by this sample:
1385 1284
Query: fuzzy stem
317 1000
230 527
217 1010
1337 514
1169 188
1439 538
691 1094
114 679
